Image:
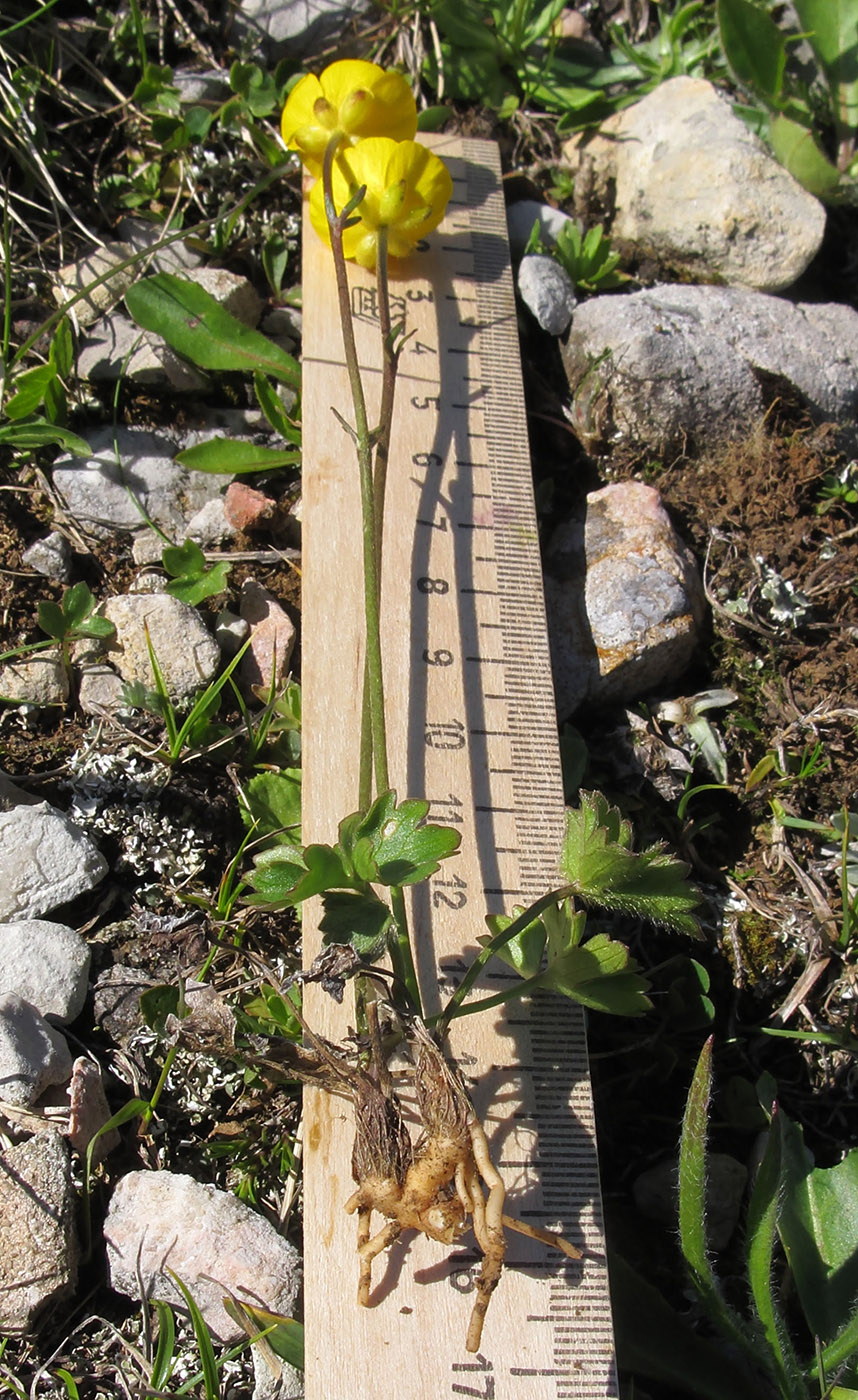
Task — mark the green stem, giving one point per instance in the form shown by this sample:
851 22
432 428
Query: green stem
363 440
390 365
453 1007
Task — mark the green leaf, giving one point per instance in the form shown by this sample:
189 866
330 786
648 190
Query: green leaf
192 322
832 30
203 1339
271 802
30 433
596 860
198 122
30 390
818 1226
433 118
95 627
692 1202
78 603
754 48
361 919
524 950
164 1360
269 402
395 845
197 587
52 619
284 875
61 354
761 1233
157 1003
654 1341
600 974
283 1335
233 457
179 560
275 258
798 152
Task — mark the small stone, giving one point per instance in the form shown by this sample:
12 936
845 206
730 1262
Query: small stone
186 652
75 277
235 294
210 85
32 1054
51 557
100 691
147 548
89 1111
272 634
105 494
209 526
212 1241
287 1385
144 236
283 324
40 679
623 597
38 1244
547 291
655 1195
116 1001
299 27
522 214
695 188
47 964
45 859
247 509
116 346
231 632
148 581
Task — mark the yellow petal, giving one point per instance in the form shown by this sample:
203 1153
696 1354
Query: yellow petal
299 110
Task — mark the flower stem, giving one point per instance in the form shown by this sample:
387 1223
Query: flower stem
373 747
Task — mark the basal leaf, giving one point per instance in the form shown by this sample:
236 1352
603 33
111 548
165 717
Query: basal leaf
284 875
194 324
30 389
818 1226
600 974
524 950
404 847
797 150
832 31
754 48
272 802
361 919
232 457
197 587
29 433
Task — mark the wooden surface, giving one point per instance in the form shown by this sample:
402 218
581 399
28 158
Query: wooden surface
472 729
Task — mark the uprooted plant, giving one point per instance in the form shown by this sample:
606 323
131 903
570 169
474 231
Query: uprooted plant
378 193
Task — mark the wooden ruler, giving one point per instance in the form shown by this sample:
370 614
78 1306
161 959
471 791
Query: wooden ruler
473 730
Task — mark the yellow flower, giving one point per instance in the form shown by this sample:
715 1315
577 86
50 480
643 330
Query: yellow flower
353 97
407 189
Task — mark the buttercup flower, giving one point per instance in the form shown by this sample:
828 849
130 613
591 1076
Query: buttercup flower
353 97
407 190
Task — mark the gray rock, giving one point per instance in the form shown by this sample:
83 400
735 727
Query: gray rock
231 632
144 236
45 859
47 964
272 639
186 652
51 557
39 678
655 1190
233 293
215 1243
298 26
116 1001
288 1385
105 495
38 1244
100 691
209 525
672 365
211 85
623 597
522 214
695 188
32 1054
77 276
117 347
546 289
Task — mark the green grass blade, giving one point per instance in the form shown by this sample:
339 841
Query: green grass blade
203 1337
164 1359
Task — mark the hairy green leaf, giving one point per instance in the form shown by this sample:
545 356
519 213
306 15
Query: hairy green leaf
600 974
194 324
596 861
395 845
761 1235
285 875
